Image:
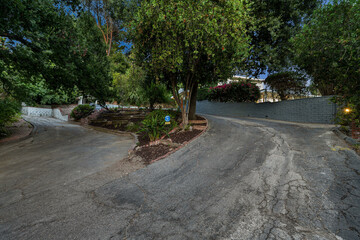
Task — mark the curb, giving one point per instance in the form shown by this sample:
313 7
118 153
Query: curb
347 139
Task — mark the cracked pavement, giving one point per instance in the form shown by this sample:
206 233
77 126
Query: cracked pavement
242 179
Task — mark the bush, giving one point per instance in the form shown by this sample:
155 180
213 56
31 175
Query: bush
9 110
235 92
202 94
82 111
154 124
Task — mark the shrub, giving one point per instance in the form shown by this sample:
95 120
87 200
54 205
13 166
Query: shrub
235 92
9 110
154 124
82 111
202 94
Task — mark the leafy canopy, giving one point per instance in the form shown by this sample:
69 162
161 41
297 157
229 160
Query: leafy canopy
181 41
287 83
55 41
275 22
328 49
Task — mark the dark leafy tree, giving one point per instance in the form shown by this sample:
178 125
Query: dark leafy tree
54 41
276 21
287 84
174 40
328 48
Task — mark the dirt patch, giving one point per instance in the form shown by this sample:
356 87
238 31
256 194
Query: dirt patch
17 130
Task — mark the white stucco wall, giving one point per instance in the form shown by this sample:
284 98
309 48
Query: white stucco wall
44 112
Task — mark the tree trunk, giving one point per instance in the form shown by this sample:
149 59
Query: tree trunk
192 109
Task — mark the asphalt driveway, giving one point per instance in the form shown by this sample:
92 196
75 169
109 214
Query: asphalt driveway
243 179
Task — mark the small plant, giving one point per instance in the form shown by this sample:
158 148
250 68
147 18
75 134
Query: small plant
154 124
82 111
9 113
132 127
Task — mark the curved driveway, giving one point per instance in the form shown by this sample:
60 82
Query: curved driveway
242 179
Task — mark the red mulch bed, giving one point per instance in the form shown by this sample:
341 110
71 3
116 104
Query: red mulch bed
150 153
146 152
184 136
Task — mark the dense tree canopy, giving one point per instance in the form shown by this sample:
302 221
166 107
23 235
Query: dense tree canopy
328 48
287 84
180 41
54 41
275 22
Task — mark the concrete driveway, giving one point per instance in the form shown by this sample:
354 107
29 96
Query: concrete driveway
243 179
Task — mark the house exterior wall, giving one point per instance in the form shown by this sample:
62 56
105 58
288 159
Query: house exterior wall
308 110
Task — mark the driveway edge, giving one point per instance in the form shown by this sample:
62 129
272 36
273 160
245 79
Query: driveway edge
347 139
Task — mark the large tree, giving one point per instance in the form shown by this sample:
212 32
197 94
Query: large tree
328 48
180 41
287 84
275 22
54 41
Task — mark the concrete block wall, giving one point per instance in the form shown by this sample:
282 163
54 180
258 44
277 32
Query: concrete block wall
307 110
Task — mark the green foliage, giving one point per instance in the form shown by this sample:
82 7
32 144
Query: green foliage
275 22
128 86
82 111
155 92
203 94
9 110
328 49
347 118
235 92
154 124
43 40
184 42
287 84
135 87
133 127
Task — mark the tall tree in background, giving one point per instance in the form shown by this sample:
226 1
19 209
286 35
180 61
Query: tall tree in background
276 21
54 41
100 10
112 18
174 39
287 84
328 49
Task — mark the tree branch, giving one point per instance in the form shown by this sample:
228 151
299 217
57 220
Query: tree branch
22 40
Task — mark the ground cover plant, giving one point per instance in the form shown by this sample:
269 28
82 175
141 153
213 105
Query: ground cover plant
82 111
9 112
234 92
154 125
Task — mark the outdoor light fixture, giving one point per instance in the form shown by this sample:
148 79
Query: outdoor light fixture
347 110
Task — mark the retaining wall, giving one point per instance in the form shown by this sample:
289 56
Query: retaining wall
307 110
44 112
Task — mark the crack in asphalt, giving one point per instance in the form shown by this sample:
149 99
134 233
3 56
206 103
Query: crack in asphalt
243 179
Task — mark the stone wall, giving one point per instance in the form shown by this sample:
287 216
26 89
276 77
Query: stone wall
308 110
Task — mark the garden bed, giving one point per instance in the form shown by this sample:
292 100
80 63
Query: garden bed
149 151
